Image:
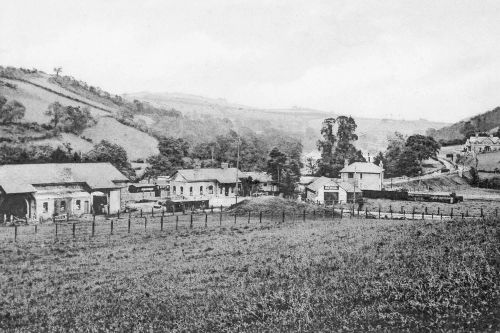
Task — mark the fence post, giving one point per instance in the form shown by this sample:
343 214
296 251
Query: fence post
145 222
441 216
129 224
212 209
413 214
118 214
425 210
467 213
56 230
152 212
141 212
404 214
93 227
249 216
432 216
206 220
422 215
482 215
260 217
67 217
358 211
304 215
162 212
220 217
15 232
191 221
462 216
341 212
111 226
74 230
235 218
161 223
496 212
176 222
379 212
36 229
451 213
283 217
314 215
366 212
439 209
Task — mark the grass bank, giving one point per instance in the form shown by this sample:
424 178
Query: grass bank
349 275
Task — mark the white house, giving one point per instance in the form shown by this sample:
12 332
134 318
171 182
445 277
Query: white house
331 190
201 183
480 144
42 191
363 175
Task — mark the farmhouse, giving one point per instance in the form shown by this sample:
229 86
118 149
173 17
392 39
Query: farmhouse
363 175
330 190
43 191
480 144
201 183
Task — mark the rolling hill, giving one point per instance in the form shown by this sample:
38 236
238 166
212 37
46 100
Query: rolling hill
302 122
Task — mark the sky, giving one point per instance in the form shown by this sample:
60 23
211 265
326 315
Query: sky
437 60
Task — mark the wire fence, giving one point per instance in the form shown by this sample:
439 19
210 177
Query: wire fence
90 227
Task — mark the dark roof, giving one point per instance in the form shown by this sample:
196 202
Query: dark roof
223 176
364 167
322 181
21 178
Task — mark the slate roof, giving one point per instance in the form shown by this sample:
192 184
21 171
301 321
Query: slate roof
223 176
484 140
362 167
322 181
21 178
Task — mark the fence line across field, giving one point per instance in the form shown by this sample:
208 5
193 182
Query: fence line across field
160 220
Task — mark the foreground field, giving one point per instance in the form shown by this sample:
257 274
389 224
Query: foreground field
320 275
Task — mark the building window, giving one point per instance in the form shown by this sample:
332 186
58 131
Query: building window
62 207
201 190
191 191
210 189
78 204
182 190
220 190
174 190
265 184
45 207
232 189
350 175
360 176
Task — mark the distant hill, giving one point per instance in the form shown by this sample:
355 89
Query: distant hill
483 122
302 122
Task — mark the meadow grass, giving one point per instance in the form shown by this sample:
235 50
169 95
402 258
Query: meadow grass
342 275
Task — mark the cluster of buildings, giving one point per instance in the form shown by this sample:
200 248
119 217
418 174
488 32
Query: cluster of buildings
482 144
44 191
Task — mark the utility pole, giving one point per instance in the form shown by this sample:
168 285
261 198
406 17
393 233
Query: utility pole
237 169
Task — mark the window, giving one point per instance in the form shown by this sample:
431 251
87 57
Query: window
78 204
232 189
220 189
62 206
210 189
265 184
201 190
350 175
182 190
191 191
174 190
360 176
45 207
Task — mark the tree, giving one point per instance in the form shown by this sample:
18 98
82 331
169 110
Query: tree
379 158
424 146
11 112
396 146
3 100
335 149
159 165
408 163
106 151
311 166
57 70
69 119
276 163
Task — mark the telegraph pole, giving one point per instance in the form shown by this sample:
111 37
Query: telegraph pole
237 169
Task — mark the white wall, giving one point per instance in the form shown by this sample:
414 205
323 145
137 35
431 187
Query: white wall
114 201
365 181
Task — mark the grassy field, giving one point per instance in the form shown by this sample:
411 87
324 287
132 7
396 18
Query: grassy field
343 275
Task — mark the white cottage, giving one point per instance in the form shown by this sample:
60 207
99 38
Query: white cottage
363 175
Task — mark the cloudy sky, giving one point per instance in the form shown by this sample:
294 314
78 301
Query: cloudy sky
438 60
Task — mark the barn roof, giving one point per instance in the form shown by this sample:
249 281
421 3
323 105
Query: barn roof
364 167
21 178
322 181
223 176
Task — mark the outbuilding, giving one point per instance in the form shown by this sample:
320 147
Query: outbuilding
45 191
330 190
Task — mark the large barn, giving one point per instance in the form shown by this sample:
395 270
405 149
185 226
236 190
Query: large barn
43 191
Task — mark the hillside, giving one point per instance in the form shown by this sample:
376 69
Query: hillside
36 92
483 122
303 122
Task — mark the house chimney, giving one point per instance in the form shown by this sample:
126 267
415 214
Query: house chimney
346 163
381 164
369 158
224 165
